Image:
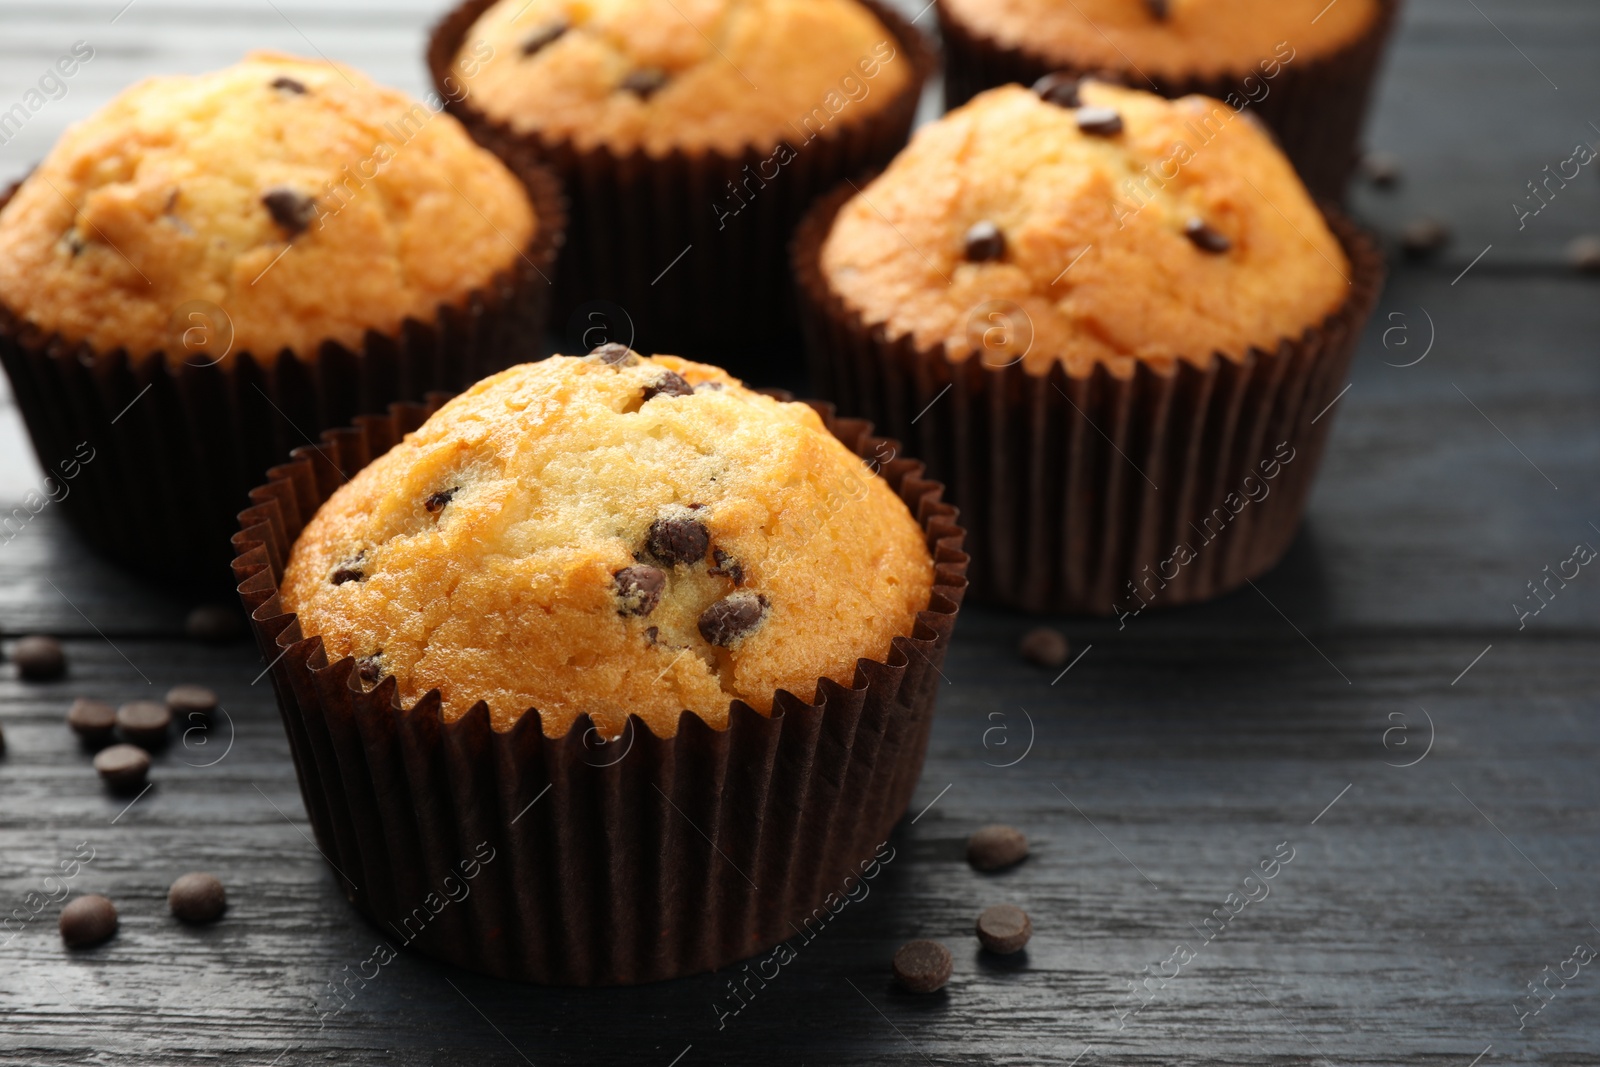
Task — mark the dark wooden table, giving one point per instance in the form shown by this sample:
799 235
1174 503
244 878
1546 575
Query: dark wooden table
1373 703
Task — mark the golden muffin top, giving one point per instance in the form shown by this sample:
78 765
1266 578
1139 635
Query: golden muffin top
718 75
1127 228
301 199
1169 38
611 535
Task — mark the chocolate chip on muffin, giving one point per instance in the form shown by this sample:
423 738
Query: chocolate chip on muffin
436 501
645 82
669 384
639 588
613 354
732 618
725 566
675 539
292 210
544 36
370 668
289 85
984 242
350 570
1058 89
1159 9
1099 121
1205 238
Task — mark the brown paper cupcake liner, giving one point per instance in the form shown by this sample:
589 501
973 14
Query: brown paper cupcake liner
1316 105
178 445
1077 491
672 856
645 235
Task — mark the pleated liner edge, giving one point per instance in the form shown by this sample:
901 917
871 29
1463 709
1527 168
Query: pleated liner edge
682 855
1315 106
1077 490
178 445
635 216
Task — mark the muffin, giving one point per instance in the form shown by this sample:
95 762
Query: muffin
691 138
212 267
1111 328
677 606
1306 67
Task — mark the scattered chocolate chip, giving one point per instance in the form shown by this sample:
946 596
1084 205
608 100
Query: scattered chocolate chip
370 668
1381 169
187 700
214 624
678 539
1584 254
436 501
922 966
350 570
87 921
1205 238
613 354
198 897
1004 929
733 617
293 211
1159 9
289 85
1059 89
726 566
122 767
639 588
669 384
544 36
1044 646
1424 237
1099 121
652 634
995 847
39 659
92 720
144 722
645 83
984 242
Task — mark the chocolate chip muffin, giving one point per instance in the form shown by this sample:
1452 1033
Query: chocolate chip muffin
212 267
1304 66
611 535
1131 302
691 137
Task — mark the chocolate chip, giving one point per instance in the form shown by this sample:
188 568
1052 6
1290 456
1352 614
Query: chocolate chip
732 618
639 588
709 387
1059 89
350 570
87 921
1004 928
214 624
922 966
39 659
995 847
74 242
678 539
546 35
1159 9
187 700
370 668
645 83
613 354
122 767
669 384
1381 169
726 566
652 634
436 501
1584 254
198 897
92 720
144 722
1044 646
1205 238
1424 237
1099 121
293 211
985 242
289 85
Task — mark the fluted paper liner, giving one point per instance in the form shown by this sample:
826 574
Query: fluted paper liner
1076 490
1316 105
644 233
680 855
177 445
